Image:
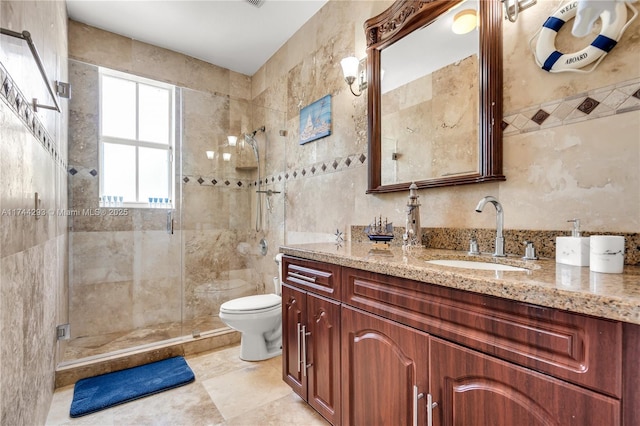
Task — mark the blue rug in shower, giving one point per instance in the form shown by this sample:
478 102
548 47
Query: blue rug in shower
104 391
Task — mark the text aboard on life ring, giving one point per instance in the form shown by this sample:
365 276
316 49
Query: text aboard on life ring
552 60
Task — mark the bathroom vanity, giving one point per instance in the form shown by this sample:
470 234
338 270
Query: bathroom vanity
384 337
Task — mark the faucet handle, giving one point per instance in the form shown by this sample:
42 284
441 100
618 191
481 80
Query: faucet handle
529 251
473 247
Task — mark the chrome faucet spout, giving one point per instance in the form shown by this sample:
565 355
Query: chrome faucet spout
499 252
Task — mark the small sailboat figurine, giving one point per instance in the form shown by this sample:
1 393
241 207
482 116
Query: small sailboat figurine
379 231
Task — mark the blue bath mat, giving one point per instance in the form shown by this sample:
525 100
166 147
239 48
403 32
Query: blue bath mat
104 391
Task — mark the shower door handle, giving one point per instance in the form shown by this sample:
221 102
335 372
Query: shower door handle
170 222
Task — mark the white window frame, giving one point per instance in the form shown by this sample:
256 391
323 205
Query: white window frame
137 143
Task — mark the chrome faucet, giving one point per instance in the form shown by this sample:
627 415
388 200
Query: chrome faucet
499 223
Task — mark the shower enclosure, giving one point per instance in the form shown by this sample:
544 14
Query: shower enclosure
155 274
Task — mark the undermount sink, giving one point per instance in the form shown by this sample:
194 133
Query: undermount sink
469 264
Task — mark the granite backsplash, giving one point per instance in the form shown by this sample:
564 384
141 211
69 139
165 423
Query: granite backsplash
543 241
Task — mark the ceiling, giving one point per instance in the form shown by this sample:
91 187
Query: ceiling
233 34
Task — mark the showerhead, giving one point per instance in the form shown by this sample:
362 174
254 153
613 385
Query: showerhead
259 129
251 140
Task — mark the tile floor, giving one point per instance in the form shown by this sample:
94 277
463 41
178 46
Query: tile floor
227 391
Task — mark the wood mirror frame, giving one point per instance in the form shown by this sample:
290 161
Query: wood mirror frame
402 18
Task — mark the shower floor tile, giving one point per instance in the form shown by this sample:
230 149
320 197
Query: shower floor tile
83 347
227 391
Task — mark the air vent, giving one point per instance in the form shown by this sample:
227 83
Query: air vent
256 3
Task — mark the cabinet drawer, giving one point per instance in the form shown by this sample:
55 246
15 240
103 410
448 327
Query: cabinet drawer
583 350
321 278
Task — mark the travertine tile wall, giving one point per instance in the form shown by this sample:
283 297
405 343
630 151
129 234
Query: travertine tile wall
148 276
33 253
429 109
585 167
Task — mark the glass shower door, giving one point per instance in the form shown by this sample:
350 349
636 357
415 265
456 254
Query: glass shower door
125 258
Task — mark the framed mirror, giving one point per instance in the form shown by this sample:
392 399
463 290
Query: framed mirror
434 97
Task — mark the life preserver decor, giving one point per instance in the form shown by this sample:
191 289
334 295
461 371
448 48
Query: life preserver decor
551 60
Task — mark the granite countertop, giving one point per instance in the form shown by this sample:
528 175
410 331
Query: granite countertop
545 283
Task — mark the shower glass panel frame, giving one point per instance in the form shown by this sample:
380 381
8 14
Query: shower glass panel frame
125 262
155 276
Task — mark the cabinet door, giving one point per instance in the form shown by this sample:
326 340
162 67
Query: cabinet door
475 389
382 362
293 308
323 356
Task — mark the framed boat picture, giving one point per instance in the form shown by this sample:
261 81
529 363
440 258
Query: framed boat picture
315 120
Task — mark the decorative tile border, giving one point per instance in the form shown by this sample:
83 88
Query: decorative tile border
218 181
14 99
334 165
616 99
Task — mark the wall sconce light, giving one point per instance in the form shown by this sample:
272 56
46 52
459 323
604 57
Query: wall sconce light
464 21
513 7
353 68
233 140
226 156
211 154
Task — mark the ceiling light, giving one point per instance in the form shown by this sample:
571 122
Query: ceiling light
226 156
210 155
464 21
233 140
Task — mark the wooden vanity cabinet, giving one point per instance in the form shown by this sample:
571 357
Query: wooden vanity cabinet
479 360
385 371
311 337
472 388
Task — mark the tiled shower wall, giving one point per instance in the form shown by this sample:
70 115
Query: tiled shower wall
33 252
128 272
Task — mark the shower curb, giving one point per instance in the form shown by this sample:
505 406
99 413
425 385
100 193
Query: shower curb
68 374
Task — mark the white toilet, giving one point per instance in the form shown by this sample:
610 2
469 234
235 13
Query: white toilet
259 318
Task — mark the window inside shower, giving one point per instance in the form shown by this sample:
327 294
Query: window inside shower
136 141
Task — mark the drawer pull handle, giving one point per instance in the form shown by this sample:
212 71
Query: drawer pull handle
299 330
416 397
430 406
304 334
303 277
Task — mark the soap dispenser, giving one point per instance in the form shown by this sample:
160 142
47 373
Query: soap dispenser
573 250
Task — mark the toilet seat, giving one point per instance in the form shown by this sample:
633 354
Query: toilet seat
252 304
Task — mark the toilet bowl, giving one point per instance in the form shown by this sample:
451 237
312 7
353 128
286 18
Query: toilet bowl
259 319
